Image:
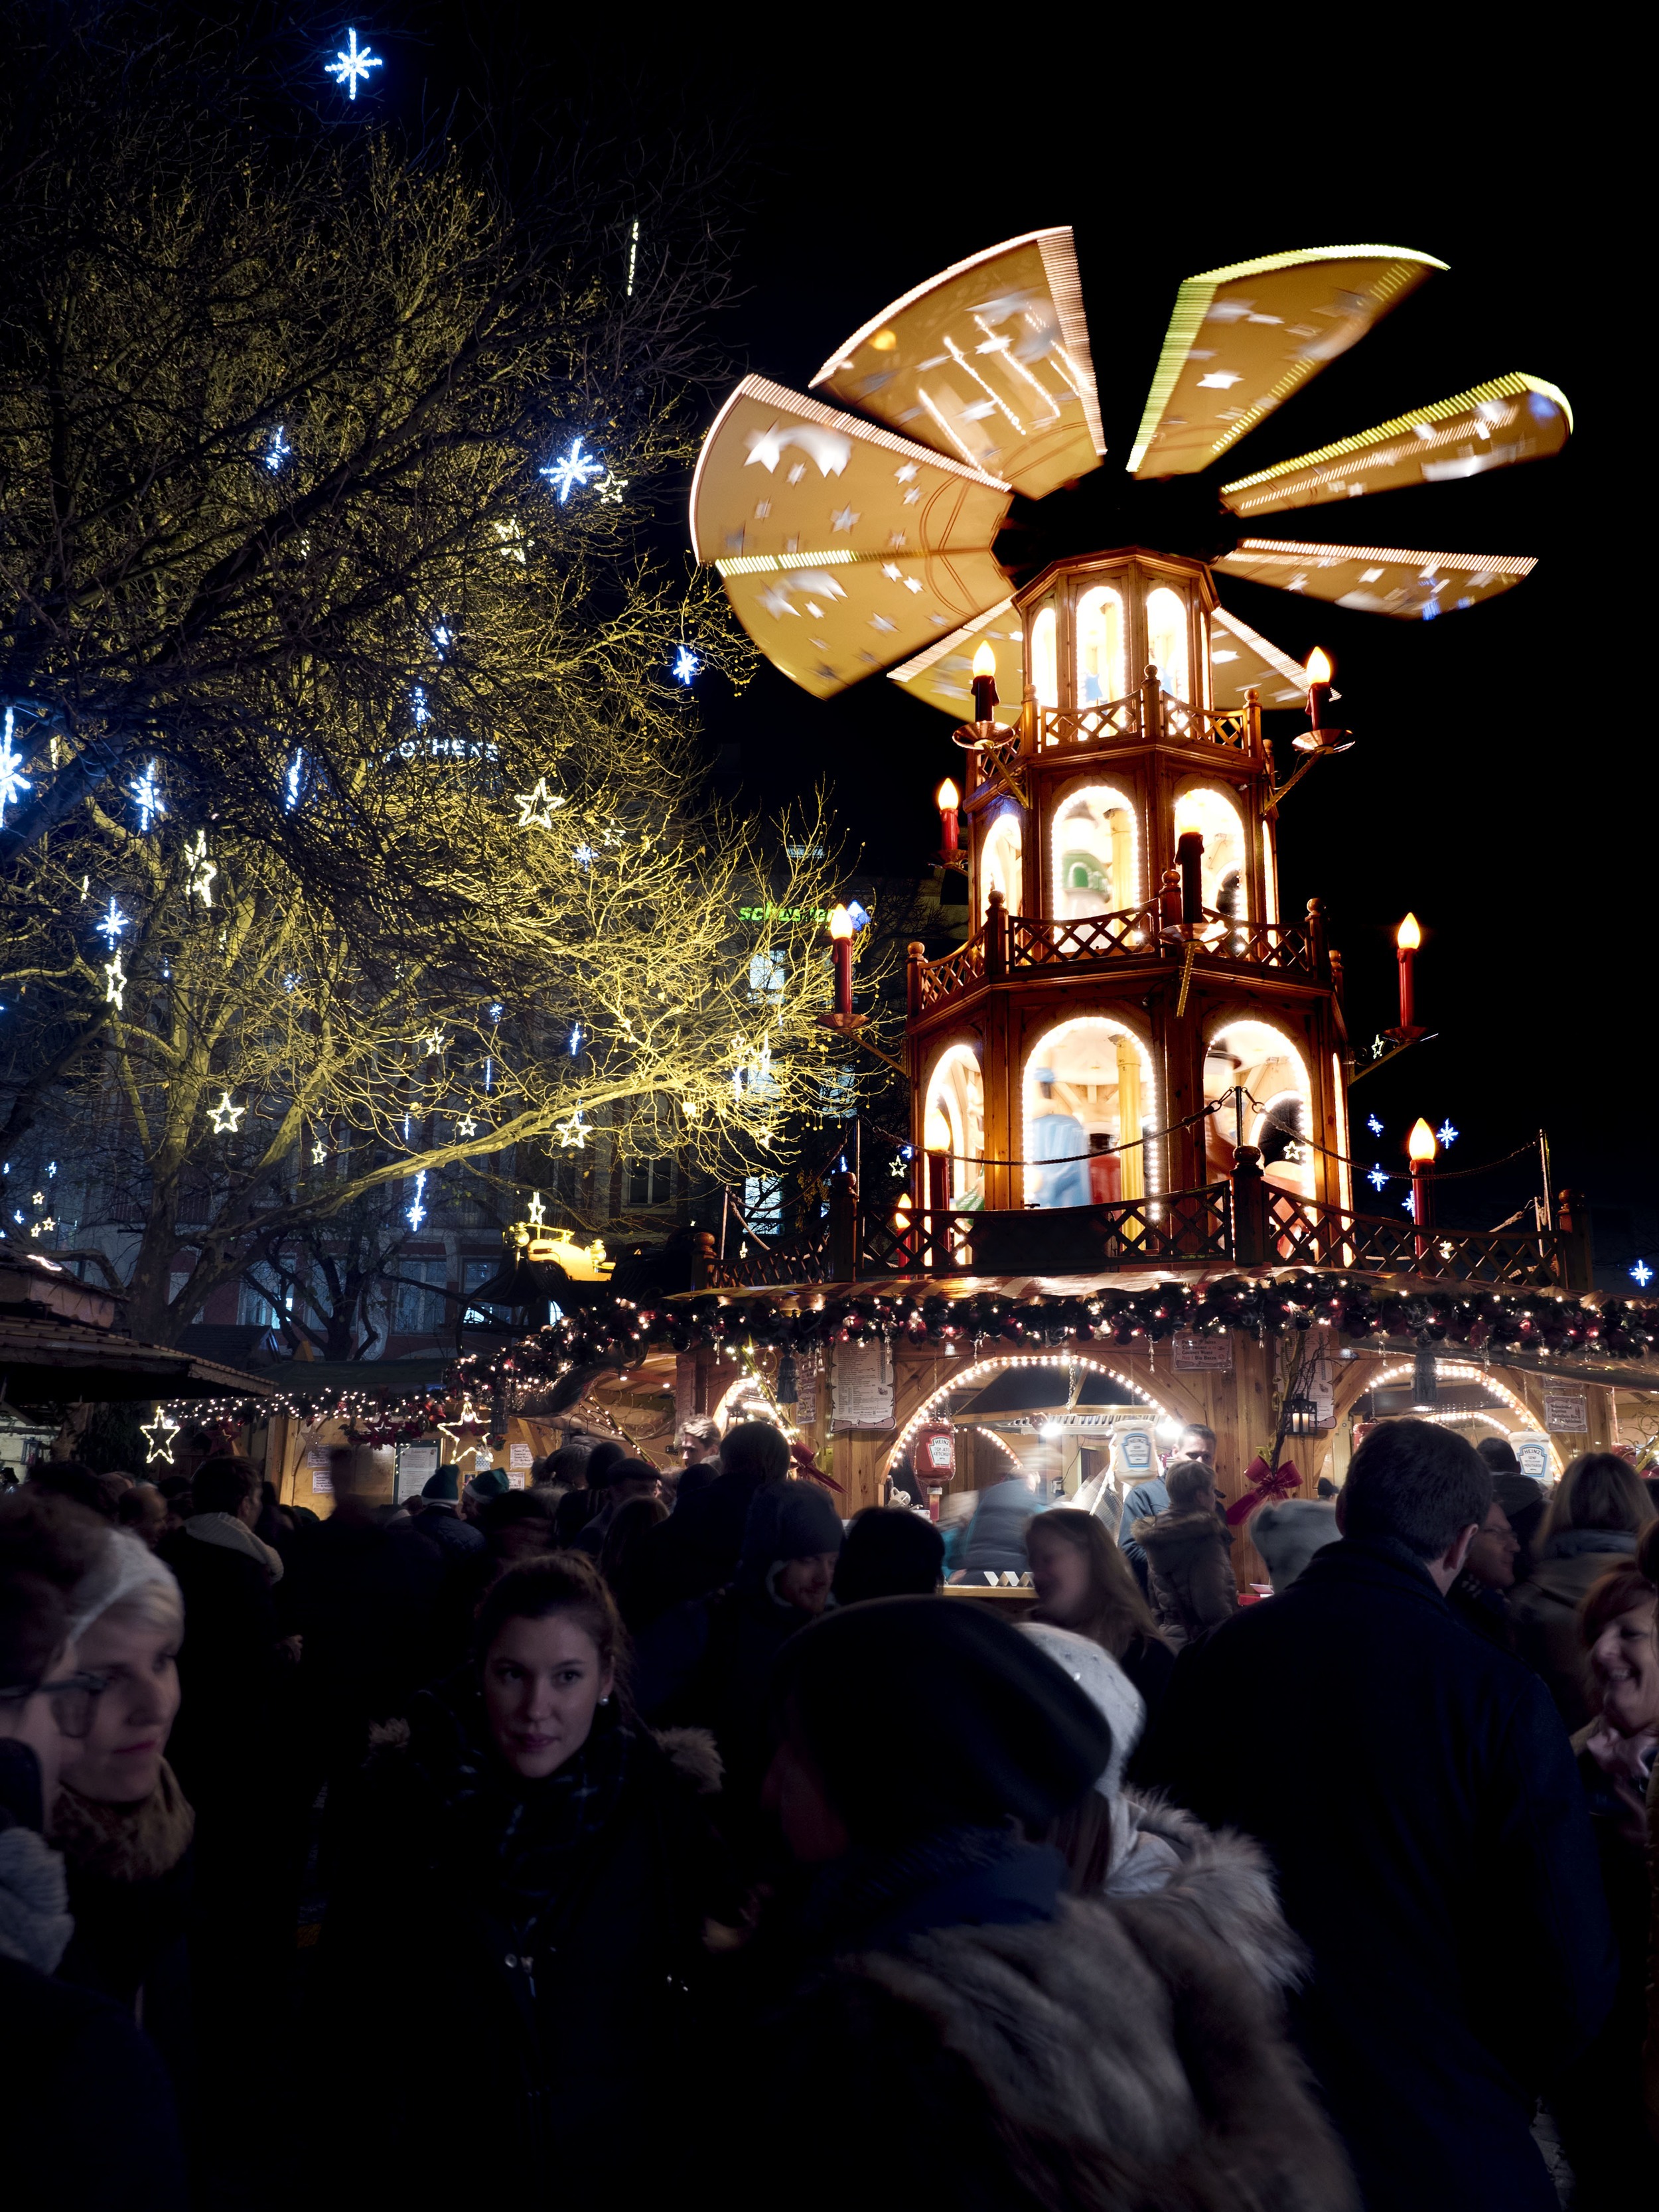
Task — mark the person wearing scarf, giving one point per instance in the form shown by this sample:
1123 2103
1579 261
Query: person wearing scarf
525 1875
1598 2107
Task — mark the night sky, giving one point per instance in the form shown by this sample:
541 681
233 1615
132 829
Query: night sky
1496 789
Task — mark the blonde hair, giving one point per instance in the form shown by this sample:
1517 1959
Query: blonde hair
1598 1490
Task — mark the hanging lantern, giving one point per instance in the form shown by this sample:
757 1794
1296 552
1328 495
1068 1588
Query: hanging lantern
1425 1381
788 1389
1301 1416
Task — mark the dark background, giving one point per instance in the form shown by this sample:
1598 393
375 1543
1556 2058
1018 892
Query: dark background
1498 787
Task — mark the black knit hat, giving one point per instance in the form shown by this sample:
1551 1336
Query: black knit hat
889 1553
924 1712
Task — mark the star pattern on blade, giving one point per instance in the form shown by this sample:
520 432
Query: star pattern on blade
116 994
159 1433
536 807
225 1116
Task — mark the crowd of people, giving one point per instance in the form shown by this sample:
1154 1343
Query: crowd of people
630 1833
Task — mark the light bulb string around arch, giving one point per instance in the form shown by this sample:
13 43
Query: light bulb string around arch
998 1365
1463 1371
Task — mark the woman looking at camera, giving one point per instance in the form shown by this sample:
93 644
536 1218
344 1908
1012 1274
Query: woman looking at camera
528 1876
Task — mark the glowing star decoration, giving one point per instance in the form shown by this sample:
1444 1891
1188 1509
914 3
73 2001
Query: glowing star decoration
160 1433
573 1131
277 450
466 1127
318 1152
686 664
1641 1274
536 807
536 1212
116 993
145 789
575 1040
1375 1126
352 62
1446 1134
111 925
225 1116
572 471
610 490
435 1040
419 709
198 883
1377 1178
12 786
416 1213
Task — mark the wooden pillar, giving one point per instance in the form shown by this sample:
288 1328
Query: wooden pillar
1129 1114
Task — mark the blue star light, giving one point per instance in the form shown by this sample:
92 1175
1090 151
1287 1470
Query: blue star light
1641 1274
570 473
12 786
1375 1126
686 664
1377 1178
416 1214
111 925
278 451
352 62
1445 1133
1408 1206
146 791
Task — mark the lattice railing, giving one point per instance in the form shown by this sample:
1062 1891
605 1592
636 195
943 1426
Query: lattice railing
775 1261
1033 942
1302 1234
1127 721
1265 944
956 972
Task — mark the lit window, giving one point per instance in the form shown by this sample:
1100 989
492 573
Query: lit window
1045 658
1100 671
1166 638
650 1183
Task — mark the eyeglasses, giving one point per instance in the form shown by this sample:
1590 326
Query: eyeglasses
72 1699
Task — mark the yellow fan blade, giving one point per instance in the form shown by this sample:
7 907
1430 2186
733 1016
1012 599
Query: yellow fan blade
1377 579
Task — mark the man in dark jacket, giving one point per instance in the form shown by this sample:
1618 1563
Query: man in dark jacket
1415 1789
440 1521
696 1549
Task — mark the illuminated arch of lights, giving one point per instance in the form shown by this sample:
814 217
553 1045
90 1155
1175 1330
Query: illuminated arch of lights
1458 1370
994 1366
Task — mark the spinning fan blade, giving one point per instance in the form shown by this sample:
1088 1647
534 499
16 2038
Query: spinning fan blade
939 673
842 548
1377 579
1513 418
1241 658
989 363
1242 339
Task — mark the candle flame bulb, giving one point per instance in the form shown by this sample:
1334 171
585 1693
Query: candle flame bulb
949 796
1420 1144
937 1132
1408 936
840 924
1318 670
985 683
985 661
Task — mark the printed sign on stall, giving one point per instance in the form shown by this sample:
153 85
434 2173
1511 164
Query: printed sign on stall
416 1465
1566 1412
862 1387
1203 1355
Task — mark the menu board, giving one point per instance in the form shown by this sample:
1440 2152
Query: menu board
1566 1412
862 1385
806 1397
416 1465
1203 1355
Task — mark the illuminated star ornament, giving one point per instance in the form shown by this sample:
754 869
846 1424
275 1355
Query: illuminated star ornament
434 1040
686 664
145 789
536 1212
536 807
573 1131
278 451
12 786
1446 1134
111 925
417 1212
352 62
610 490
572 472
1377 1178
226 1116
466 1127
1641 1274
318 1152
115 995
159 1433
198 883
1375 1126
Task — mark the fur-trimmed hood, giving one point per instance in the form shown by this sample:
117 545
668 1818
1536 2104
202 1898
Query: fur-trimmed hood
1222 1886
691 1752
1173 1541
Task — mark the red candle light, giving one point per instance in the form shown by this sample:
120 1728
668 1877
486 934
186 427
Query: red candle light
1407 939
949 800
1318 673
841 946
1190 858
1420 1148
984 684
936 1143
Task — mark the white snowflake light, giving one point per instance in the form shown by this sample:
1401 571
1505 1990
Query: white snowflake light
116 994
1375 1126
111 925
572 471
1377 1178
419 709
417 1212
277 450
145 789
1641 1274
1446 1133
686 664
12 786
225 1116
352 62
198 883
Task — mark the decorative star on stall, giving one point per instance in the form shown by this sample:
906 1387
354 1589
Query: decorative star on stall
225 1116
1446 1133
12 785
198 883
536 807
536 1212
572 471
573 1131
116 994
160 1433
352 62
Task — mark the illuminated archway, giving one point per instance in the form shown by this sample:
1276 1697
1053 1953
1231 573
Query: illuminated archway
1045 658
1223 869
1279 1122
957 1089
994 1366
1458 1370
1096 858
1105 1088
1166 640
1000 866
1102 665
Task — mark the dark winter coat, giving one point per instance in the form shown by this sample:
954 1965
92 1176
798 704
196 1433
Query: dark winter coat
1416 1793
579 2023
1189 1554
456 1539
695 1550
1017 2049
232 1679
1545 1611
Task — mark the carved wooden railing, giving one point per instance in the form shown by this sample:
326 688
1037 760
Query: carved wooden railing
1037 942
1304 1235
1147 716
956 972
